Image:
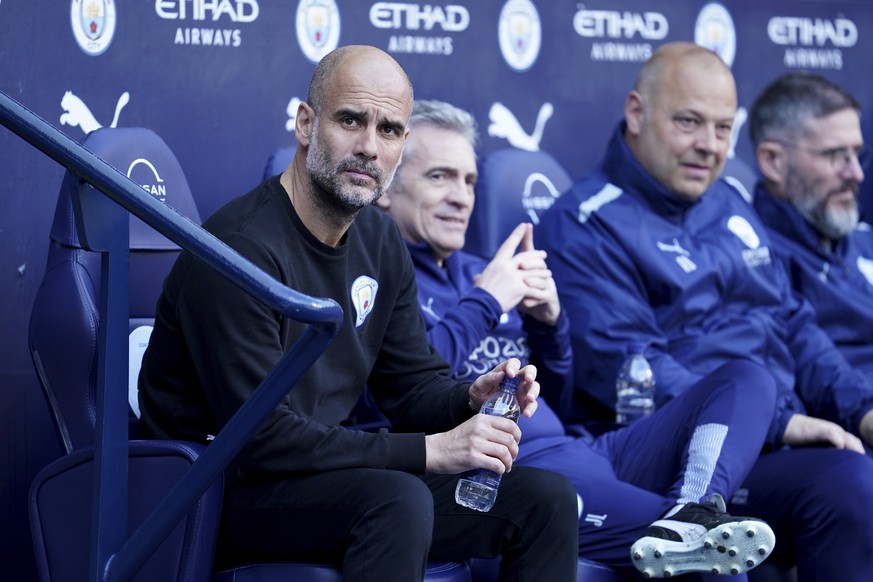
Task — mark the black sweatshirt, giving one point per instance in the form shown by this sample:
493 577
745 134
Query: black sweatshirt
213 344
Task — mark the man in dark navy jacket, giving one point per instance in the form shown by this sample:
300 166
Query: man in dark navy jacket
812 159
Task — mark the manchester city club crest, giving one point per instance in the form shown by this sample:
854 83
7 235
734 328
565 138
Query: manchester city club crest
519 34
363 297
715 30
93 24
318 28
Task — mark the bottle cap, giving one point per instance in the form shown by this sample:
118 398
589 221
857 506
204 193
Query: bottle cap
510 382
634 348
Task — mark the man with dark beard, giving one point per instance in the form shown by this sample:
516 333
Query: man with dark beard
811 155
378 505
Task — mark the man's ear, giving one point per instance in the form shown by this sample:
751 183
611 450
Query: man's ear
304 123
633 112
772 162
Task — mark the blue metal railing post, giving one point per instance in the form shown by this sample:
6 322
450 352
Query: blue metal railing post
104 226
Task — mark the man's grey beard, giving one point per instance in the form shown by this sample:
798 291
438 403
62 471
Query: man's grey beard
329 190
833 223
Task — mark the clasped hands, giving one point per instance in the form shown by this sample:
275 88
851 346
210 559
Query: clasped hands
521 279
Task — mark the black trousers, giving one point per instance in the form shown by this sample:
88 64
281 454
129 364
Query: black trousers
385 525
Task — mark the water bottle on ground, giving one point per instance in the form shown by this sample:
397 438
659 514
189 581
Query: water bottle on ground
477 489
634 387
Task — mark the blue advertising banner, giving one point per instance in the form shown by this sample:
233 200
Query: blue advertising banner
220 81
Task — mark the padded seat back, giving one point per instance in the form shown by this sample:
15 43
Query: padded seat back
277 162
514 186
64 323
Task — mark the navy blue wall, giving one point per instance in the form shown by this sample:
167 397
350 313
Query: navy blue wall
215 79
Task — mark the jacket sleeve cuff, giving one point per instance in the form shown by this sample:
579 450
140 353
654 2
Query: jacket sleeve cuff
785 409
558 334
407 453
488 300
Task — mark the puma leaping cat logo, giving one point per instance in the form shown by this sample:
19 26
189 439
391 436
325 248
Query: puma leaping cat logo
77 113
429 309
673 248
504 124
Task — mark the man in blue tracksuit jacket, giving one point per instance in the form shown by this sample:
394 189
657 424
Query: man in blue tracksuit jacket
479 311
654 248
811 155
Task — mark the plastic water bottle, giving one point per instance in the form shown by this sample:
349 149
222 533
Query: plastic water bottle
634 387
477 489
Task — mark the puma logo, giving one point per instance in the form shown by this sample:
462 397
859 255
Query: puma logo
673 248
76 113
429 309
504 124
682 255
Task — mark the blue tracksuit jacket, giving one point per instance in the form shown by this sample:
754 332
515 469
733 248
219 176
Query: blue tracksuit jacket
836 277
696 282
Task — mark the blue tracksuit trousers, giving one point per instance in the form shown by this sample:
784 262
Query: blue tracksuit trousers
819 501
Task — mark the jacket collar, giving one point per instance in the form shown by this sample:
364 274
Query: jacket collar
624 171
422 256
453 271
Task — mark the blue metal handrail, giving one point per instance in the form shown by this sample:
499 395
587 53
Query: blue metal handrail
114 557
